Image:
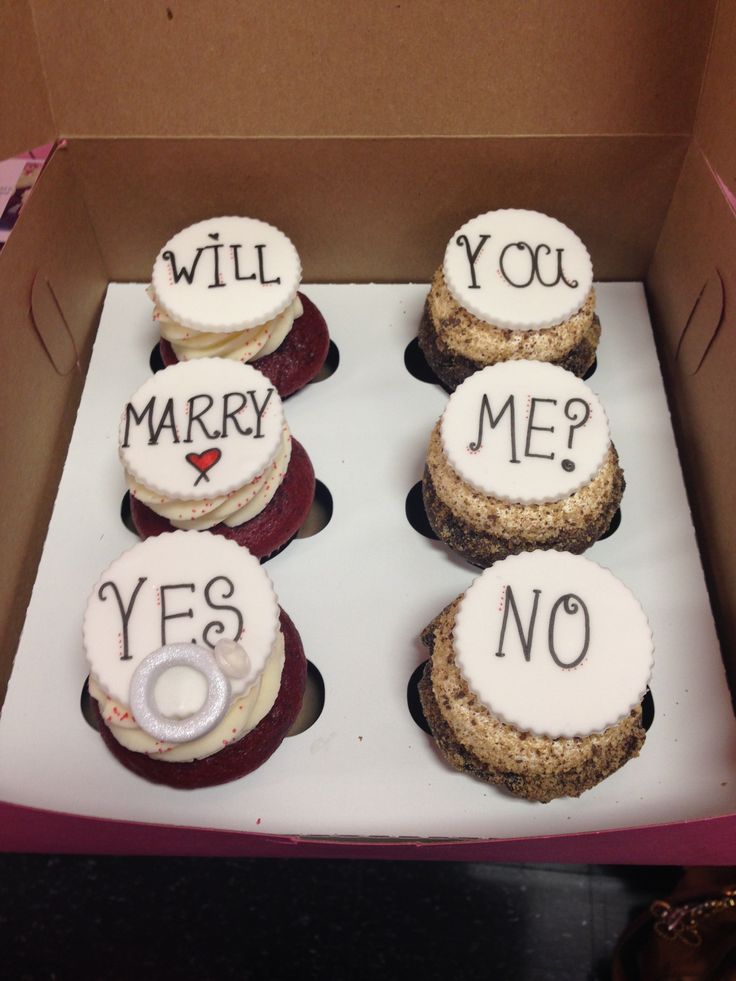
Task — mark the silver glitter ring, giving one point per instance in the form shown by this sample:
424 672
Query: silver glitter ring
142 701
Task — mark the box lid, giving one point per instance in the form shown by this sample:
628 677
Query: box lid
327 68
714 130
26 115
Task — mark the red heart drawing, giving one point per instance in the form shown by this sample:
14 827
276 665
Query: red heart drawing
203 462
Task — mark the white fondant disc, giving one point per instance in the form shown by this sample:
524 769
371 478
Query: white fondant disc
553 644
521 270
226 274
525 432
181 587
200 429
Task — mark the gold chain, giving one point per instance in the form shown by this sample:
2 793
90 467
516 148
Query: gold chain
681 922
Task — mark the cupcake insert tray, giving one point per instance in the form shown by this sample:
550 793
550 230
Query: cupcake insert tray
360 591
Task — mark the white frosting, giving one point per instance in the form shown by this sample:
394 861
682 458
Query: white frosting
578 659
232 509
200 430
246 345
179 587
517 269
226 274
525 432
244 714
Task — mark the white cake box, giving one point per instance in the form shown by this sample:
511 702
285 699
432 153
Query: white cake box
370 190
360 591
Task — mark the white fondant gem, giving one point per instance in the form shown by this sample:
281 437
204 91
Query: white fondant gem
518 269
554 644
232 658
154 668
226 274
525 432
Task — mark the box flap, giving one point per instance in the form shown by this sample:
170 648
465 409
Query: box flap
26 115
385 68
715 130
52 295
391 204
692 285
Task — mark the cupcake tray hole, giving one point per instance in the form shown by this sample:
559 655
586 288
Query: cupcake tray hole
277 551
412 698
155 361
416 514
615 522
416 365
87 705
312 704
591 371
647 710
330 366
320 513
125 516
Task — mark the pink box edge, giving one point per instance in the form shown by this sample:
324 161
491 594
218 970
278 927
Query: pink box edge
707 841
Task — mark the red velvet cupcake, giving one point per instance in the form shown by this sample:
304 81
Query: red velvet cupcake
228 287
205 447
197 673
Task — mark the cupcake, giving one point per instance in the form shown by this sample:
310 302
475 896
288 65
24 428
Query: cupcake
513 285
521 459
537 674
205 447
196 672
228 288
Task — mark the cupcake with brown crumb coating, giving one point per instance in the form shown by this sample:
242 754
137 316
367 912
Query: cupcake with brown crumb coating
537 674
521 459
513 285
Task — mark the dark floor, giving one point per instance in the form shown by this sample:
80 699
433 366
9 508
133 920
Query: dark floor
136 918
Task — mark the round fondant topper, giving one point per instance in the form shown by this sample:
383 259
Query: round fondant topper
226 274
516 269
525 432
201 429
553 644
179 588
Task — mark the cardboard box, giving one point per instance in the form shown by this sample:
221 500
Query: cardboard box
371 135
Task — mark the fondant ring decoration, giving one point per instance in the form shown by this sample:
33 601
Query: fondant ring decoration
143 702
